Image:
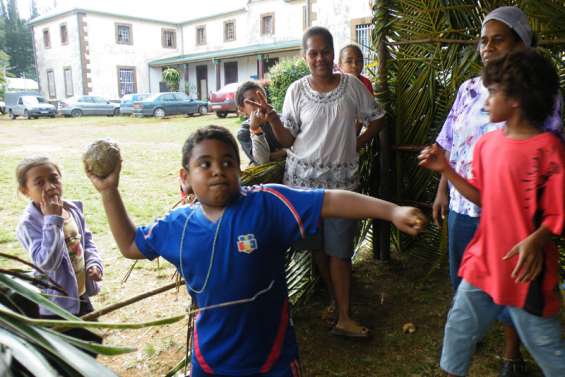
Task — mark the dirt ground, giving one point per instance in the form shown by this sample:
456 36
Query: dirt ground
385 295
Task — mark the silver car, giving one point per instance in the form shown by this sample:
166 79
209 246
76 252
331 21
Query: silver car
88 105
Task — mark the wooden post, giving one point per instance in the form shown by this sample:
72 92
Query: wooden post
260 67
381 229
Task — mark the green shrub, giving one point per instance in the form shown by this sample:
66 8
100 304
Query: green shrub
281 76
172 77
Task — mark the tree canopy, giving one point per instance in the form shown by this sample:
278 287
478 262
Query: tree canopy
16 41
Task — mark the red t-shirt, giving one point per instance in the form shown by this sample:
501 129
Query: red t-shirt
522 185
367 83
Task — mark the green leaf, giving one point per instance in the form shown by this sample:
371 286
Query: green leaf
78 360
27 355
36 297
87 324
107 350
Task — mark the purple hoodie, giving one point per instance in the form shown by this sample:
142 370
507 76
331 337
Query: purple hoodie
42 236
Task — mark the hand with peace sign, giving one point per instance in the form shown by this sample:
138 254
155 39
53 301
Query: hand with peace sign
263 111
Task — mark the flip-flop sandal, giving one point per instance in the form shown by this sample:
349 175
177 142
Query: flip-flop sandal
364 333
329 315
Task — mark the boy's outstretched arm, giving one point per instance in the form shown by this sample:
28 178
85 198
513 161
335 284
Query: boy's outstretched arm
121 226
434 158
351 205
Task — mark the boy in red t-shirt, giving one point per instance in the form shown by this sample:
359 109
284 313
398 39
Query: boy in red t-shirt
519 182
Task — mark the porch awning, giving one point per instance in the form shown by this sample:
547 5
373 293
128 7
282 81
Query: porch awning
229 53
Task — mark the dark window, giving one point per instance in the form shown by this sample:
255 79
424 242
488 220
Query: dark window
181 97
46 38
270 63
68 74
363 39
64 34
267 24
124 34
169 38
230 72
51 84
126 81
201 35
229 31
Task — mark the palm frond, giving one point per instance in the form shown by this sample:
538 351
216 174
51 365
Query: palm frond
430 51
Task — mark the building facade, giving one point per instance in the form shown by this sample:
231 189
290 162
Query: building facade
89 51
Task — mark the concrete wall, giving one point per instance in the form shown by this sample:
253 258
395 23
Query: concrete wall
58 56
338 16
106 55
288 22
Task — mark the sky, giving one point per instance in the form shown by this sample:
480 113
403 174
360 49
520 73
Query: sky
145 8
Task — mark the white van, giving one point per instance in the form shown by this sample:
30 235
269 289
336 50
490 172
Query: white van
29 105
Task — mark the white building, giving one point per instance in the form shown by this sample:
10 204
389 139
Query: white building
92 51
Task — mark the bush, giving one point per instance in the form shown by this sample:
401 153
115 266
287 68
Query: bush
281 76
172 77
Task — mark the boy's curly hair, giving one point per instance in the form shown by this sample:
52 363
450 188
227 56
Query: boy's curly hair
529 77
248 85
210 132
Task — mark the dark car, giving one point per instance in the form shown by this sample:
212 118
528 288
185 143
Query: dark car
127 101
223 100
169 103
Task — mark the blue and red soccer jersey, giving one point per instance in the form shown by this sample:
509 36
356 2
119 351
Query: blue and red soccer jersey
240 260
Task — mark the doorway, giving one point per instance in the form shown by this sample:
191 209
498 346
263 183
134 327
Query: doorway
230 72
202 82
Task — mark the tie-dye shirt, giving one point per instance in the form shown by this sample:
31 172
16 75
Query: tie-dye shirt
466 123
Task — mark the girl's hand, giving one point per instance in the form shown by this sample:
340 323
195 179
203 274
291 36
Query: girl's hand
94 273
51 204
108 183
433 158
530 259
409 220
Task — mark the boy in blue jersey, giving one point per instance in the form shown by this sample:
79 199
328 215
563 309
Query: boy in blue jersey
229 247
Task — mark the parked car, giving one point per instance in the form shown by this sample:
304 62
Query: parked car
223 100
126 103
88 105
29 105
169 103
2 107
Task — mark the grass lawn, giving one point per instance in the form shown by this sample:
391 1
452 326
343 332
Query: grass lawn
385 297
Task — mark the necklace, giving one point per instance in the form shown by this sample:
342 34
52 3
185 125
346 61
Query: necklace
184 229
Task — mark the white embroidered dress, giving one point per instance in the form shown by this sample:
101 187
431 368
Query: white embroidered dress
324 151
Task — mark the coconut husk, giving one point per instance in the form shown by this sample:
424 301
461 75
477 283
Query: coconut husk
101 157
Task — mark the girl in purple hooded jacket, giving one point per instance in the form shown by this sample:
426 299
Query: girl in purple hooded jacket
54 233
